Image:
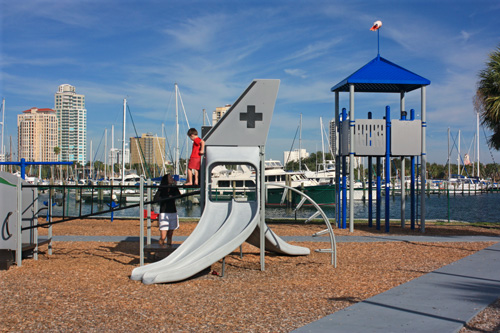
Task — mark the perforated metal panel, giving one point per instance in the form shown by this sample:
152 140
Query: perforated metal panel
406 138
369 135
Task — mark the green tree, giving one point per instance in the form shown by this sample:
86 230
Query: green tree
57 151
487 99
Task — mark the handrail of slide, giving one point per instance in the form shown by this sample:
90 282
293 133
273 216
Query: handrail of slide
333 243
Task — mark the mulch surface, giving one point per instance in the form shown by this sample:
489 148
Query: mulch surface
86 285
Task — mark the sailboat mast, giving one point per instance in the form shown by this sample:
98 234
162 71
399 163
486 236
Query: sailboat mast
459 173
123 143
112 159
322 141
2 149
477 142
300 144
105 151
176 132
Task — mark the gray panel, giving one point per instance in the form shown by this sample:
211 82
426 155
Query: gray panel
406 138
369 136
247 122
345 138
8 211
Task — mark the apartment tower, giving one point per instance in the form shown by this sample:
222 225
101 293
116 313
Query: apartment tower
72 124
37 135
147 149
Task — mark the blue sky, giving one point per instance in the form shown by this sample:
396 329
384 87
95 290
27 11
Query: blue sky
110 50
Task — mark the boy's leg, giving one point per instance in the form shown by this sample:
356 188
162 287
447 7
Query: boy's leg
195 177
190 178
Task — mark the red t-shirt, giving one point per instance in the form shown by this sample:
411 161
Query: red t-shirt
196 147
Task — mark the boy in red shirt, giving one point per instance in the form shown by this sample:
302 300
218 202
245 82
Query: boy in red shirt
195 159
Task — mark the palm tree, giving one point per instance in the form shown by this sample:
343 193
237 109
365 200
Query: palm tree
57 151
487 99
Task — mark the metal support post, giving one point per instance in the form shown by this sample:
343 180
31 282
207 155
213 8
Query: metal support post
387 166
370 186
262 199
141 219
412 184
351 158
379 193
148 199
423 162
19 249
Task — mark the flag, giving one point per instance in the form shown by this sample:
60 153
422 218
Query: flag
376 25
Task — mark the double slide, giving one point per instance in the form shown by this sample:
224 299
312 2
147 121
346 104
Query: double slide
222 228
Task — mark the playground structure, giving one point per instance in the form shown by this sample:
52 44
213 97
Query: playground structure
238 138
379 138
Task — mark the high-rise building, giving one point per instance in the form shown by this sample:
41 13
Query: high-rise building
37 135
147 149
72 124
293 156
218 113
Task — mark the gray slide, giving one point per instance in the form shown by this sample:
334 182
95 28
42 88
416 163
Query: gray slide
238 226
275 244
212 219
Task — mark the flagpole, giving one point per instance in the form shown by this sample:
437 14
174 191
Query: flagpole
378 43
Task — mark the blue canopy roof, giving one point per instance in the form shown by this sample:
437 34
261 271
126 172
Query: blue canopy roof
381 75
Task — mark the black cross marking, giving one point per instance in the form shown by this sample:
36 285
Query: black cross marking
251 116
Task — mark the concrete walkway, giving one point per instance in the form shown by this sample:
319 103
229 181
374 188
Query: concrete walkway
441 301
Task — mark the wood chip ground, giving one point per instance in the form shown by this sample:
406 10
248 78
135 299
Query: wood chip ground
86 285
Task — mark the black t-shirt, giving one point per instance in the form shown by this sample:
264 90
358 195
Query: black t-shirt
167 206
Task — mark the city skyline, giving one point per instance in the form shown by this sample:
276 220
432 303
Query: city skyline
214 49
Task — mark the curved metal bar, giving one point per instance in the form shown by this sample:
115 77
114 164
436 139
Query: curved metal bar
333 243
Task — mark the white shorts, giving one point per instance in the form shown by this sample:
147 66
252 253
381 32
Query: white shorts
168 221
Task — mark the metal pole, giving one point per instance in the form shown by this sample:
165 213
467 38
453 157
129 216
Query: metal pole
141 219
123 143
262 207
176 132
2 149
105 152
370 186
344 177
300 144
351 158
35 218
19 249
412 184
424 158
478 171
379 194
387 166
148 198
337 159
403 171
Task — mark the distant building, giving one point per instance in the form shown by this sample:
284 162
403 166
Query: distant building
72 124
147 148
218 113
293 156
37 135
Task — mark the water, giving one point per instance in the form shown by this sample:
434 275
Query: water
468 208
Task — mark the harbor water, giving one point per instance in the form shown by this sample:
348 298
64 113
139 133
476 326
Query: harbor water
483 207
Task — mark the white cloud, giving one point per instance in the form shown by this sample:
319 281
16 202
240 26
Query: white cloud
296 72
